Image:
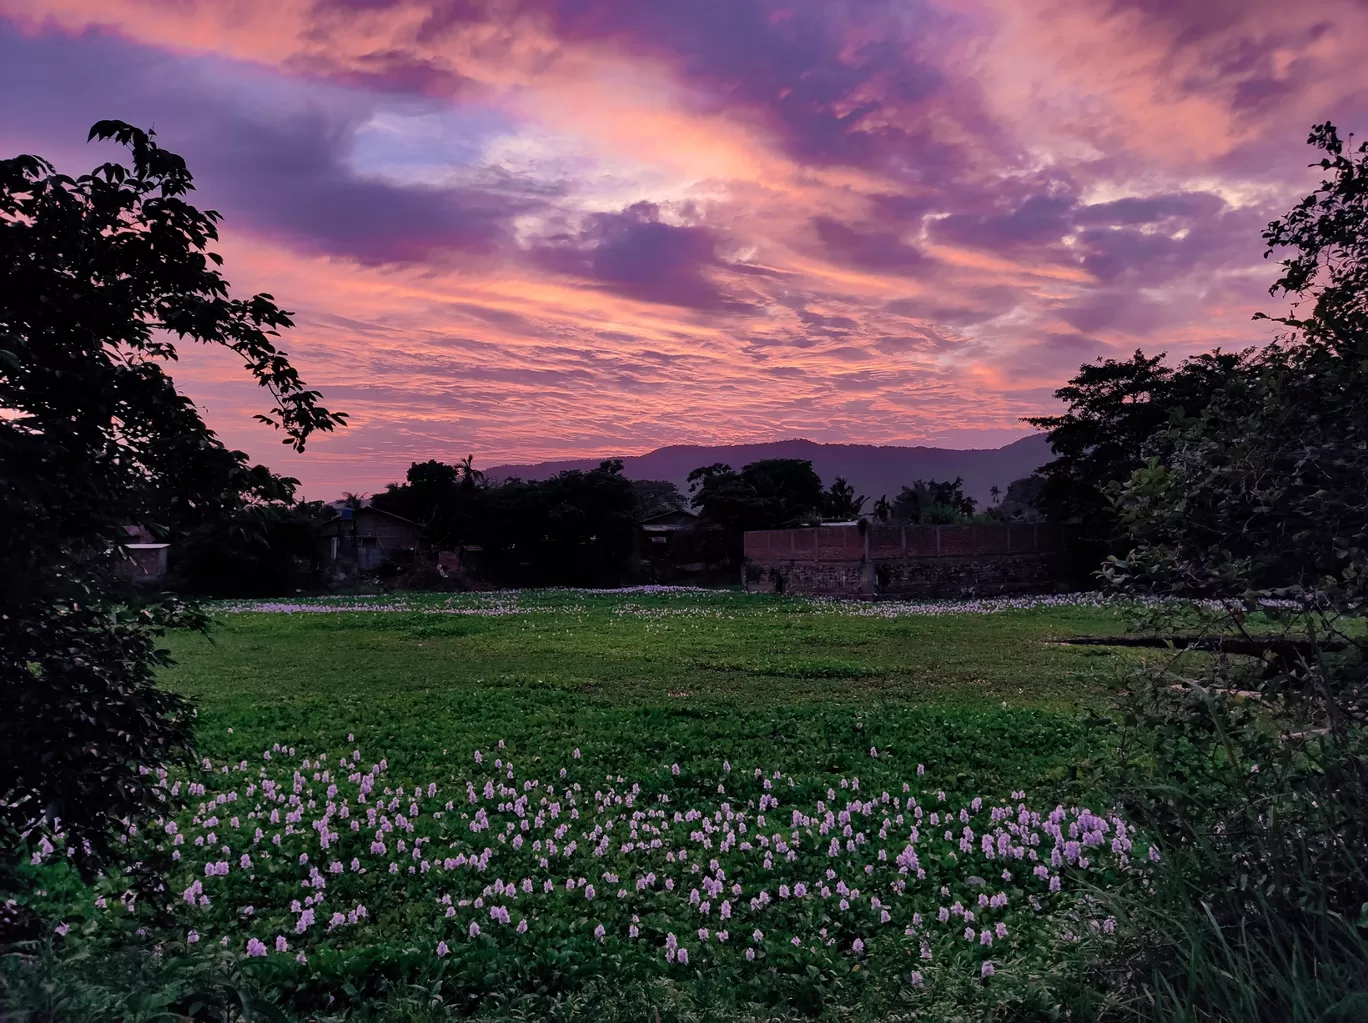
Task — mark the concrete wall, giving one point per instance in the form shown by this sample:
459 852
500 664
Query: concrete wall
924 561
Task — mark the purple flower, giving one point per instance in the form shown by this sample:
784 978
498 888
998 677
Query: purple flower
255 947
683 956
599 932
750 955
474 929
916 978
281 944
857 946
987 969
442 949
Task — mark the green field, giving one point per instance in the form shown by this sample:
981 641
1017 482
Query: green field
631 679
714 704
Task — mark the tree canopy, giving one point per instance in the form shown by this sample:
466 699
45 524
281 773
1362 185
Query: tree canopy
1116 418
841 502
1248 520
932 502
576 528
100 277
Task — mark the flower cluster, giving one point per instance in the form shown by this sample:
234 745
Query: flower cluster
690 864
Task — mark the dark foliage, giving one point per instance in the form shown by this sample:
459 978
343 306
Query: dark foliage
656 497
99 277
437 497
773 493
1021 502
841 503
1117 416
769 494
575 529
267 548
931 502
1256 770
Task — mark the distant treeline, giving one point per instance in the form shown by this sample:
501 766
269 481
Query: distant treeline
576 528
579 527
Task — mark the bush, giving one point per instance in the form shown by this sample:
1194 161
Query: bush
1260 911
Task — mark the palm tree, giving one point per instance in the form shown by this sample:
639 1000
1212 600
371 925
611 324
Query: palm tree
883 511
996 492
470 476
842 502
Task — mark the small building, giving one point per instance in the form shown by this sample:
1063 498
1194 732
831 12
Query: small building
661 534
680 547
145 558
362 539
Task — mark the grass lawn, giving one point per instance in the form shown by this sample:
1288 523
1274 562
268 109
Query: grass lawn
642 676
785 805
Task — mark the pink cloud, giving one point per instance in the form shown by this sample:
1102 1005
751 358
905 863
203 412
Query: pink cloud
578 227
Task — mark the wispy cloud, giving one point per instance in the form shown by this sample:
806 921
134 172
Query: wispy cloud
540 228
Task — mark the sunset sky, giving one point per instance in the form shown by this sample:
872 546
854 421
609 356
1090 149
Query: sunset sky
541 229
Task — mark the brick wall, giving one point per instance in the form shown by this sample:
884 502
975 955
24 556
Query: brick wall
927 561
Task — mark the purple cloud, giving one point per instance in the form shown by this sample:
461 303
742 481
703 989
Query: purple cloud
270 154
869 249
634 254
1038 220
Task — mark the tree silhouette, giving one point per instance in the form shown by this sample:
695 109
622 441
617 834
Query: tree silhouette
100 277
470 476
841 502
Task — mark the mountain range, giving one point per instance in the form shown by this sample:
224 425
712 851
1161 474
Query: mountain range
872 470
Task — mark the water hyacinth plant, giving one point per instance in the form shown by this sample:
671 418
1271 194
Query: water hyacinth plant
309 862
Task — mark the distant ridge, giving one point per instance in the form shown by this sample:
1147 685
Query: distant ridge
871 469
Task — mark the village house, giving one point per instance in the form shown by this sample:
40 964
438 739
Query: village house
365 538
145 557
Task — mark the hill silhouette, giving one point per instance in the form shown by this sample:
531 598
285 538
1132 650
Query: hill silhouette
871 469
